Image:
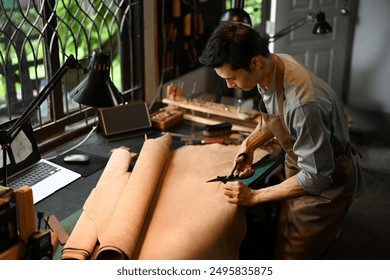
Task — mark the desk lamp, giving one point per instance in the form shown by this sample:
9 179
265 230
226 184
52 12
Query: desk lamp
236 13
95 90
321 27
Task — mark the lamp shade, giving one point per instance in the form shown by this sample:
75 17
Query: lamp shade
237 15
97 89
322 26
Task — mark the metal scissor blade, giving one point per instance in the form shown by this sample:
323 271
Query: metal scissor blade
231 176
222 179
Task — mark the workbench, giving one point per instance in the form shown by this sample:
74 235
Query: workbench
66 203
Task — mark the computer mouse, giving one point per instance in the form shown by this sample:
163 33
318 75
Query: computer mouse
76 158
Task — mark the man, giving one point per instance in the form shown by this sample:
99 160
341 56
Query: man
303 113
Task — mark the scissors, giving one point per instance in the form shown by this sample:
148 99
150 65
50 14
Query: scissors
231 176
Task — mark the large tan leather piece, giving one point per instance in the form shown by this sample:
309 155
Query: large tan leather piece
99 207
164 209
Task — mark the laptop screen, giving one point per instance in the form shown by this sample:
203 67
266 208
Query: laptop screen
23 151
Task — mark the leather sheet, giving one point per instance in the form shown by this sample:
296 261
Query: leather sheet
130 212
99 207
164 210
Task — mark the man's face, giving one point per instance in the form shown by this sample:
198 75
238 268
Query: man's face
239 79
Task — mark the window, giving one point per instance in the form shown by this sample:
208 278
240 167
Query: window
252 7
36 37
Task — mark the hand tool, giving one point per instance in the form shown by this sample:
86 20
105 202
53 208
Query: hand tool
231 176
189 141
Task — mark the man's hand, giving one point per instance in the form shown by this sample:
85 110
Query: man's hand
239 193
244 168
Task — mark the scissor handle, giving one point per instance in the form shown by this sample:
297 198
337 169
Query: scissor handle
245 156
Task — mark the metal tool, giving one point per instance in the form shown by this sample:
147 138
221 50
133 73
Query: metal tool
190 141
193 139
231 176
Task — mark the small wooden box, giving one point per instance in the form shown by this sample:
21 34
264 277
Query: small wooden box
166 118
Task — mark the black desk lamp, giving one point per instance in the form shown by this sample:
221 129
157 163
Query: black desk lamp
236 13
321 27
96 90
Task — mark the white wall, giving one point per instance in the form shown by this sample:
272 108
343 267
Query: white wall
370 69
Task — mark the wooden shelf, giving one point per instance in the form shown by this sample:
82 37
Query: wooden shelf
207 112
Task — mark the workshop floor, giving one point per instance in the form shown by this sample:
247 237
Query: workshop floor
365 234
366 230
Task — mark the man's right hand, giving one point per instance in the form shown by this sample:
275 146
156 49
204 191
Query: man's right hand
244 168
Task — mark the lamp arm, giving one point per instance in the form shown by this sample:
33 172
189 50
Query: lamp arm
6 137
70 63
310 17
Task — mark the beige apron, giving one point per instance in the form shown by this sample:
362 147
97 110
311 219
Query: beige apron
307 225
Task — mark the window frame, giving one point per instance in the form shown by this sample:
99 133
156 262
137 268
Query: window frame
126 46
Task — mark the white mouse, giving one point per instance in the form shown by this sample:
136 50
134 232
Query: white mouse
76 158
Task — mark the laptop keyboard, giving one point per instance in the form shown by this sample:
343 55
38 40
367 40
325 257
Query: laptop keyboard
32 176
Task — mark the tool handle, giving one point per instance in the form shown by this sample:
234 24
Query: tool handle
245 156
218 127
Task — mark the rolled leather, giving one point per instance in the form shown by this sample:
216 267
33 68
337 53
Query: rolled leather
99 207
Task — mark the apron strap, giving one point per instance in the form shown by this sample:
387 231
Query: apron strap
279 84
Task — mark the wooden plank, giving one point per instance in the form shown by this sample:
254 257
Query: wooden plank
209 113
216 120
56 227
217 109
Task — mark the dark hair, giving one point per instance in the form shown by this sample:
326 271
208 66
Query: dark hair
234 44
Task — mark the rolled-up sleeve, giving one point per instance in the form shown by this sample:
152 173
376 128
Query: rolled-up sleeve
310 128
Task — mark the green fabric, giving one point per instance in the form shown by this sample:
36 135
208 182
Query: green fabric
68 223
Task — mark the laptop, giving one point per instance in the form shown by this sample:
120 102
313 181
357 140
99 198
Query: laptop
26 167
